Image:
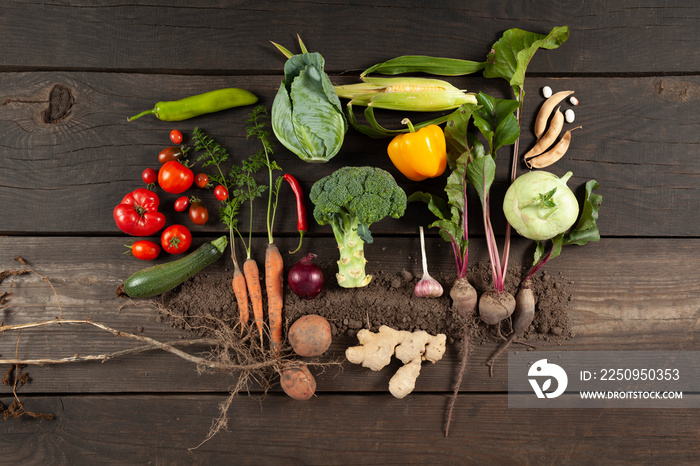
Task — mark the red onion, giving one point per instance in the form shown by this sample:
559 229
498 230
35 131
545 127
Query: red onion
306 278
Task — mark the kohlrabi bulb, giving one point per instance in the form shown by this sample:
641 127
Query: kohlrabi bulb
539 205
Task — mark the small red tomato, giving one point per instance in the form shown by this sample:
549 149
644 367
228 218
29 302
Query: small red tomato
149 176
145 250
176 239
221 193
176 136
198 213
201 180
182 204
174 177
170 153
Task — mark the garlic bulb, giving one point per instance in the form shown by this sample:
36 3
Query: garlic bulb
427 286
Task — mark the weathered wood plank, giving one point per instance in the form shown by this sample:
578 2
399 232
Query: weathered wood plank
605 37
343 429
72 172
628 294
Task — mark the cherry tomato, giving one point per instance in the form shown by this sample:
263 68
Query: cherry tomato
174 177
145 250
176 239
176 136
201 180
182 204
149 176
221 193
198 213
170 153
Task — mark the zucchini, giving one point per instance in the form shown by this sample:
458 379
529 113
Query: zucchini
160 278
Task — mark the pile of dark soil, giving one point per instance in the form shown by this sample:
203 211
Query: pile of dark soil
387 300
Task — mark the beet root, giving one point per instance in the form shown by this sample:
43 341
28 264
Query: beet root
495 306
524 309
464 299
523 316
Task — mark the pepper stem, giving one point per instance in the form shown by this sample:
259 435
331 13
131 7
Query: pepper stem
407 122
145 112
301 239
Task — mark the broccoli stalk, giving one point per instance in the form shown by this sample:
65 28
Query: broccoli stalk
350 200
351 265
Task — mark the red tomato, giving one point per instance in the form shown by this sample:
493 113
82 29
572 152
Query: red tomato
221 193
174 177
201 180
198 213
170 153
176 239
149 176
137 214
145 250
182 204
176 136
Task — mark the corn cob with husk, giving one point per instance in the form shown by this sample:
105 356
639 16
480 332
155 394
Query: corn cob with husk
410 94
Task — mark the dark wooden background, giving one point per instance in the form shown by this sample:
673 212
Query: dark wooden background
634 66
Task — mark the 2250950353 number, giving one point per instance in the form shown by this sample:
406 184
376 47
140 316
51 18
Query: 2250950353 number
639 374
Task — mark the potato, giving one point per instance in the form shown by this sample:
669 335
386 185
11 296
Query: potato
298 383
310 335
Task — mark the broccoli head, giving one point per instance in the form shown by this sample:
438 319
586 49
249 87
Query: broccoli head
350 200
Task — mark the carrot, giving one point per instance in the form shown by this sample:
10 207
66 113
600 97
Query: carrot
241 292
274 270
252 279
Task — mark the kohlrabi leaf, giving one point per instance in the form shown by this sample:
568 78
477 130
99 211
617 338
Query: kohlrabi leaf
539 252
557 243
586 228
496 120
511 54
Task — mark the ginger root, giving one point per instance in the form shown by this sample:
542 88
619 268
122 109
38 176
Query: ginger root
411 348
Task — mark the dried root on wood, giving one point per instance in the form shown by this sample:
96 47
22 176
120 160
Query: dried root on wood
243 358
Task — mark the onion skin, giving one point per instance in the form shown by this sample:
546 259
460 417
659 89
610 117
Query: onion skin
305 278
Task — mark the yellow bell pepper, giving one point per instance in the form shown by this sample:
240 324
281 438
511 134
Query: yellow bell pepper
419 154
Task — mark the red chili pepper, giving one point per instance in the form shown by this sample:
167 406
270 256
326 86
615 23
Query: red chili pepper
302 224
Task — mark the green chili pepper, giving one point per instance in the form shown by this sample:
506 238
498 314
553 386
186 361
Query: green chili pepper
209 102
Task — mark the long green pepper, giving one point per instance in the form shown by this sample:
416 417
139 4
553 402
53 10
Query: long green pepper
209 102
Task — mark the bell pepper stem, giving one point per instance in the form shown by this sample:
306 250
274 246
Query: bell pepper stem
145 112
407 122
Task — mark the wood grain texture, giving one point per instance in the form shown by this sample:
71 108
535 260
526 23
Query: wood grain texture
178 36
630 295
70 74
348 429
70 174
